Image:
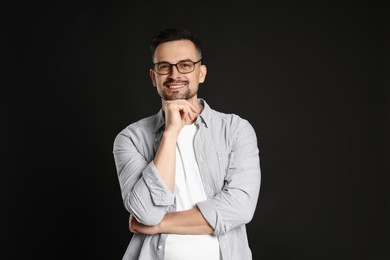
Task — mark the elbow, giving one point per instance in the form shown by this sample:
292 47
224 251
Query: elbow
148 216
149 219
245 212
246 218
248 211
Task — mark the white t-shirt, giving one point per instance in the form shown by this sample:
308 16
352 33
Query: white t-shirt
191 191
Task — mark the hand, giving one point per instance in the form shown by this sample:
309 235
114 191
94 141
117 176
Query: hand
178 113
136 227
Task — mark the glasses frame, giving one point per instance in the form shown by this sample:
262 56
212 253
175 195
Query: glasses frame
171 65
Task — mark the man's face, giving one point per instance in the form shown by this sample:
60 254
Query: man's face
176 85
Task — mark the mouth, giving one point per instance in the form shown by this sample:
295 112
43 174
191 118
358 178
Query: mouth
176 85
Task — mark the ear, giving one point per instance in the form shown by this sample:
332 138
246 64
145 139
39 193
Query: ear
202 73
152 77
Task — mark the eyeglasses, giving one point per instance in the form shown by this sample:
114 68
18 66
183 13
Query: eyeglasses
165 68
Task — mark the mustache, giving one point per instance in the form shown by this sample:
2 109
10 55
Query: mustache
169 81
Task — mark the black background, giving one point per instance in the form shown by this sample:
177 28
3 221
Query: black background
311 78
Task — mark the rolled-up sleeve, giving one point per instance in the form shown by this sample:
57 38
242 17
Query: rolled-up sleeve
144 193
235 203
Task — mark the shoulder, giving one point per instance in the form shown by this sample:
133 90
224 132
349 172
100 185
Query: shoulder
142 127
210 115
144 124
231 120
235 130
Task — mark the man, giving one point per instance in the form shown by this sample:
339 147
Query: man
189 175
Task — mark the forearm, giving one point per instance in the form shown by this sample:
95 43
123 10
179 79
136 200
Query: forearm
177 114
143 191
185 222
165 159
188 222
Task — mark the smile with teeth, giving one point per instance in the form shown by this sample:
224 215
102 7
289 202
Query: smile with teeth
175 86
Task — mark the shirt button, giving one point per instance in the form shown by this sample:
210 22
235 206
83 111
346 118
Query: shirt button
159 247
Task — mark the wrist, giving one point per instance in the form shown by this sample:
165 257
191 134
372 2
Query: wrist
161 227
170 133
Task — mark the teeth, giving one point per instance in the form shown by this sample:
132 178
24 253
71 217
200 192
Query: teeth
178 86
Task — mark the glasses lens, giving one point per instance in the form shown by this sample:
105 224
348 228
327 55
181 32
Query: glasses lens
163 68
185 66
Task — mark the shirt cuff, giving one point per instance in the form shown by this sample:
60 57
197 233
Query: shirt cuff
159 191
209 212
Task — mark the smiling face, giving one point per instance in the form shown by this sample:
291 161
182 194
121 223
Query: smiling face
176 85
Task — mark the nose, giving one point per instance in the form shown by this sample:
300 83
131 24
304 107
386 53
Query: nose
175 72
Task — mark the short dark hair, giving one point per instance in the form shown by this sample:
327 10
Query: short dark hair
174 34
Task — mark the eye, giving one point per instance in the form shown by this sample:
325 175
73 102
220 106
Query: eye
163 66
185 64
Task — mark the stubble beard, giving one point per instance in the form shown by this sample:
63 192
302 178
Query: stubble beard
186 95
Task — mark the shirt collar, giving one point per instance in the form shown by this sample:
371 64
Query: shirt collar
205 115
160 121
203 118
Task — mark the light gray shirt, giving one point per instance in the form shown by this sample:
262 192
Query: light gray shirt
228 157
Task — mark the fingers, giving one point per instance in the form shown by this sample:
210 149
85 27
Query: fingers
132 224
186 113
189 105
186 109
183 102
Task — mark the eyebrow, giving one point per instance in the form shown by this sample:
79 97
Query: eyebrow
173 63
